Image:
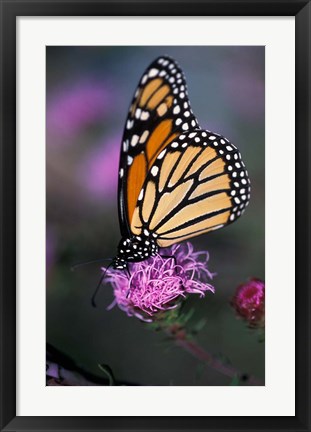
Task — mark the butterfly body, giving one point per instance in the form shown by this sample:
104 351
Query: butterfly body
176 180
135 249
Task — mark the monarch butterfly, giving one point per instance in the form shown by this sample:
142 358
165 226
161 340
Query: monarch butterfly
176 180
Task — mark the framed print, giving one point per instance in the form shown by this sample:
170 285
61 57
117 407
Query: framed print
154 166
161 272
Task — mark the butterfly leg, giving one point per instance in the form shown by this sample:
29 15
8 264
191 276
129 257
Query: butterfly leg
170 256
129 275
128 270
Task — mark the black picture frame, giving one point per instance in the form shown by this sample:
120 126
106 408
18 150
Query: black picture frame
11 9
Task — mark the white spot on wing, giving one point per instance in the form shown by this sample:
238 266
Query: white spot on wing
154 170
144 115
162 154
144 136
134 140
153 72
125 146
137 113
141 194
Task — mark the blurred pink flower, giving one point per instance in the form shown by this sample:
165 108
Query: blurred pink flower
249 302
76 106
99 171
161 282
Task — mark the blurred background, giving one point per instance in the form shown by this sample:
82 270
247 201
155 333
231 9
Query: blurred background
89 90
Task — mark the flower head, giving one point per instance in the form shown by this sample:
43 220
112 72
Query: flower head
249 302
161 282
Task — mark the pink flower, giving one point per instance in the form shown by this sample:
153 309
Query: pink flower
249 302
161 282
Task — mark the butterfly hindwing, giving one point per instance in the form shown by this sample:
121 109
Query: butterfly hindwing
197 183
159 113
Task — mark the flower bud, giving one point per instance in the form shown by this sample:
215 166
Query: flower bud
249 302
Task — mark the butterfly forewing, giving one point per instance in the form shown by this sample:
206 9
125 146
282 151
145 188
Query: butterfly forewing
197 183
159 113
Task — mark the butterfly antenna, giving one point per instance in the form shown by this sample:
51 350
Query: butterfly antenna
75 266
99 285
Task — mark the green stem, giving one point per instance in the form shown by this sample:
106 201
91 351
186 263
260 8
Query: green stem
189 345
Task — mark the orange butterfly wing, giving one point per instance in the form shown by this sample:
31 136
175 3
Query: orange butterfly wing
159 113
197 184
